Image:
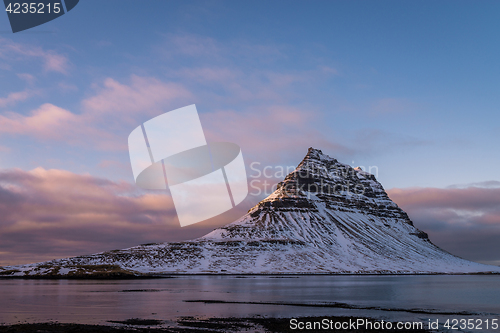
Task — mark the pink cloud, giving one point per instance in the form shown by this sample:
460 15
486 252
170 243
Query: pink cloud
55 62
52 61
470 198
144 95
15 97
49 214
30 79
48 121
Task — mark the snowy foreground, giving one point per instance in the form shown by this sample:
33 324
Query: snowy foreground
325 217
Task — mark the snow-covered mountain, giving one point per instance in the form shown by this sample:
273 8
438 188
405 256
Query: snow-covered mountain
324 217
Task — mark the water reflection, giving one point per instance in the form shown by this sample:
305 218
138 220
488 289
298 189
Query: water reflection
97 301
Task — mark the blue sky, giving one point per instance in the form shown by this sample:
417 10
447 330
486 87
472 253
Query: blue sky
409 87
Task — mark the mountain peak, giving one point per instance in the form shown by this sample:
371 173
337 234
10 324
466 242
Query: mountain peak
324 177
317 154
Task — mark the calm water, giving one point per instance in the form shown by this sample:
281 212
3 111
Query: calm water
96 302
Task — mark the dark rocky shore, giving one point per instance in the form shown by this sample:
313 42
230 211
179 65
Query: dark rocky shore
190 325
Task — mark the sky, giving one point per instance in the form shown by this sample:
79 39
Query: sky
408 89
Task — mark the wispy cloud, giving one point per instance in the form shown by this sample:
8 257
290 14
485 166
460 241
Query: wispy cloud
212 50
222 75
390 106
52 61
142 96
55 62
470 198
232 84
15 97
30 79
485 184
65 87
238 71
329 70
52 123
48 121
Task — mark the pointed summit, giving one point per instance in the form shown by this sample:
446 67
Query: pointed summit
324 177
324 217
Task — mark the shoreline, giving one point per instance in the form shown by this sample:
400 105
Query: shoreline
114 272
193 325
246 275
